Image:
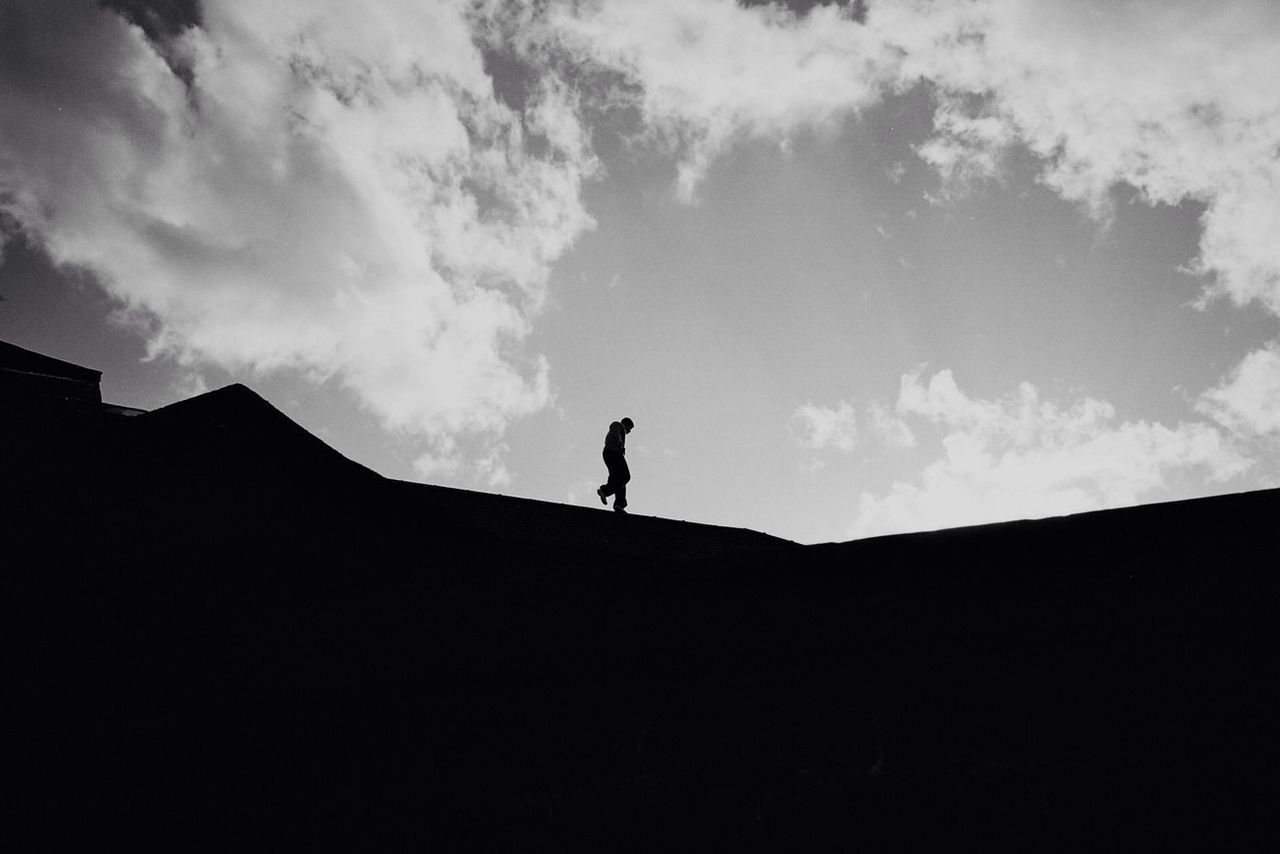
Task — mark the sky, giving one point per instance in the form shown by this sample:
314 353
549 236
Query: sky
853 269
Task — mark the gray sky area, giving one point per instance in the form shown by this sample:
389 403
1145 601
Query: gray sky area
852 269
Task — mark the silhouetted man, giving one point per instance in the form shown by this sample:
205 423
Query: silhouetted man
615 449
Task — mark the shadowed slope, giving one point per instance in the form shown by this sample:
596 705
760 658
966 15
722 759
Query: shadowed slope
547 525
233 433
233 440
250 641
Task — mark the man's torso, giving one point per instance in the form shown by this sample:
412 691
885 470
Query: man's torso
616 438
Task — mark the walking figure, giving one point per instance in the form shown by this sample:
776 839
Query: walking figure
615 449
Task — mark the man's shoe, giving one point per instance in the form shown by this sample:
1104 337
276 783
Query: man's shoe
600 492
617 509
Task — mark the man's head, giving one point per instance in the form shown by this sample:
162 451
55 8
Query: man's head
628 424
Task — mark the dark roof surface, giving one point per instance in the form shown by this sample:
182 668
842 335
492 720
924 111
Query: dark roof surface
367 664
235 429
591 528
15 358
232 434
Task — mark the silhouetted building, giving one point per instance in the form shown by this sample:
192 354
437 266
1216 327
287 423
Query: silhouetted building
224 630
34 381
50 409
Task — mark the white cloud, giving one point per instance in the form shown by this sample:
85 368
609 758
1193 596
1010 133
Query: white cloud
836 428
1248 401
442 462
889 427
432 467
1023 457
1175 99
338 193
819 427
712 71
188 384
582 490
450 461
491 469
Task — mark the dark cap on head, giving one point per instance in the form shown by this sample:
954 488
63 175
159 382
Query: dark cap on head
628 423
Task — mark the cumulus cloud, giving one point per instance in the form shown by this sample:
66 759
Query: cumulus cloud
335 189
1022 457
819 427
444 460
492 468
711 72
891 428
1248 400
329 188
836 427
1174 99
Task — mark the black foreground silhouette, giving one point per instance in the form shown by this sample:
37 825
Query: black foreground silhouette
223 635
615 460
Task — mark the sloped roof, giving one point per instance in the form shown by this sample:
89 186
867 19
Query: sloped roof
237 430
20 359
1059 673
233 435
588 528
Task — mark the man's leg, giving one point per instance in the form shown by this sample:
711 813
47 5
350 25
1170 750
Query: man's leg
607 489
618 477
620 488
